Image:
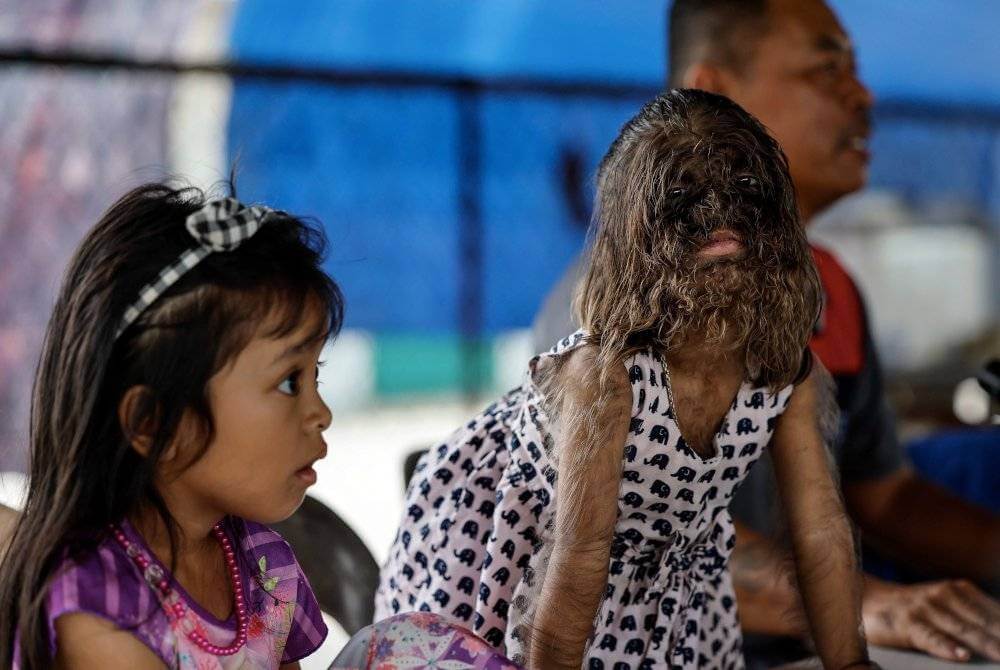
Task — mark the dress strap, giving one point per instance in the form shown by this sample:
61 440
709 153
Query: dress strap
805 367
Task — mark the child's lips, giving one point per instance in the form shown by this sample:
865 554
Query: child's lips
307 473
722 243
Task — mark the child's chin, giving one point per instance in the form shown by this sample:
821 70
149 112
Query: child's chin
279 513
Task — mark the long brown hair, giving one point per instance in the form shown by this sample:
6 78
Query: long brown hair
690 163
84 475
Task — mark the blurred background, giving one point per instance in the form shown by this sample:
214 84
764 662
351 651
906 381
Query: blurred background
448 148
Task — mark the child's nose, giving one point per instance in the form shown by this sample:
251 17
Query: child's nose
320 416
324 417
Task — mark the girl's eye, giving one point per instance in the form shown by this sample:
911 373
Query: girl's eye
290 384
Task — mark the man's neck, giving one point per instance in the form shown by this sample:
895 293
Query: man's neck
807 212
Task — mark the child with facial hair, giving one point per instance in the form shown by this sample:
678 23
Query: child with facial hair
582 519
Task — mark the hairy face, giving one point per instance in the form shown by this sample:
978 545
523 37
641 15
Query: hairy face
719 201
698 239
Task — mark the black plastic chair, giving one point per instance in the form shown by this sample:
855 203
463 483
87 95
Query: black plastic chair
410 465
343 573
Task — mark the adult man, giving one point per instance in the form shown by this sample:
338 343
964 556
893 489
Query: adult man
791 64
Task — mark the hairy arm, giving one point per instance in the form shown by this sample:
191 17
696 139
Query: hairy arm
87 641
593 424
821 536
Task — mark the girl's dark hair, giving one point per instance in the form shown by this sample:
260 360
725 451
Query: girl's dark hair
84 473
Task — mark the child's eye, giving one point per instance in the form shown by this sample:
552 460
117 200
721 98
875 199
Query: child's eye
676 192
290 384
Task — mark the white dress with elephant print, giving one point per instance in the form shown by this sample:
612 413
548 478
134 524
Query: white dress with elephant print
478 506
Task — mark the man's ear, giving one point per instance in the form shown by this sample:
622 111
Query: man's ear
137 418
708 77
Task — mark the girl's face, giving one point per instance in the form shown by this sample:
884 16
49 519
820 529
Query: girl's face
269 422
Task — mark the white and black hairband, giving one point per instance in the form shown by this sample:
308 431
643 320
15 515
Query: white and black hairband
220 225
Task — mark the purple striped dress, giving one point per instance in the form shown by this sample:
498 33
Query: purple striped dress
285 622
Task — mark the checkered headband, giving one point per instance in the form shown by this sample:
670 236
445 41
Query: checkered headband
220 225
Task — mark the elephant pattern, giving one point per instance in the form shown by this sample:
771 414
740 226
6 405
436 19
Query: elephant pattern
669 598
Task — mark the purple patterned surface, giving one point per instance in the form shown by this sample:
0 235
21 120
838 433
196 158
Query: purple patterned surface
420 640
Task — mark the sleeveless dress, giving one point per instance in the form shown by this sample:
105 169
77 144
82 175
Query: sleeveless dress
476 529
285 623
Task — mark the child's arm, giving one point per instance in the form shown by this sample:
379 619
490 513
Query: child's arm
87 641
822 541
594 426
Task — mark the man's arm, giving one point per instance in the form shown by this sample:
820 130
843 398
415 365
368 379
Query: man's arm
900 513
948 619
764 579
932 617
919 524
926 526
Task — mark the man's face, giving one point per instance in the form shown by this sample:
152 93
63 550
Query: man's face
803 86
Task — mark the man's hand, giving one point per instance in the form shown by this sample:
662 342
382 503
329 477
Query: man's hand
950 619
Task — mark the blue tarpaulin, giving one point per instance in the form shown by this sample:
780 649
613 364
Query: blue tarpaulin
382 166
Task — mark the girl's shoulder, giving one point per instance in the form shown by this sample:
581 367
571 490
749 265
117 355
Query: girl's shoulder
267 557
256 537
100 579
101 576
280 597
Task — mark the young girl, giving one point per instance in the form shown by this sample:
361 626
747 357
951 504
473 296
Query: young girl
175 412
582 518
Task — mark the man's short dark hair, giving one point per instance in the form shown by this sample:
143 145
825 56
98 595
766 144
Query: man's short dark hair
722 32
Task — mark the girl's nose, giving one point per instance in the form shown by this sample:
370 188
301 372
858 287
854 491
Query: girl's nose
320 416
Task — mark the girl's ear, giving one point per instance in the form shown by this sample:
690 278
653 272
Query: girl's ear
137 418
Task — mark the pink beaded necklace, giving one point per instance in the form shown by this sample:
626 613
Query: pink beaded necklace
175 607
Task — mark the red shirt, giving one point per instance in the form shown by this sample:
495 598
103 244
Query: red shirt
841 348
